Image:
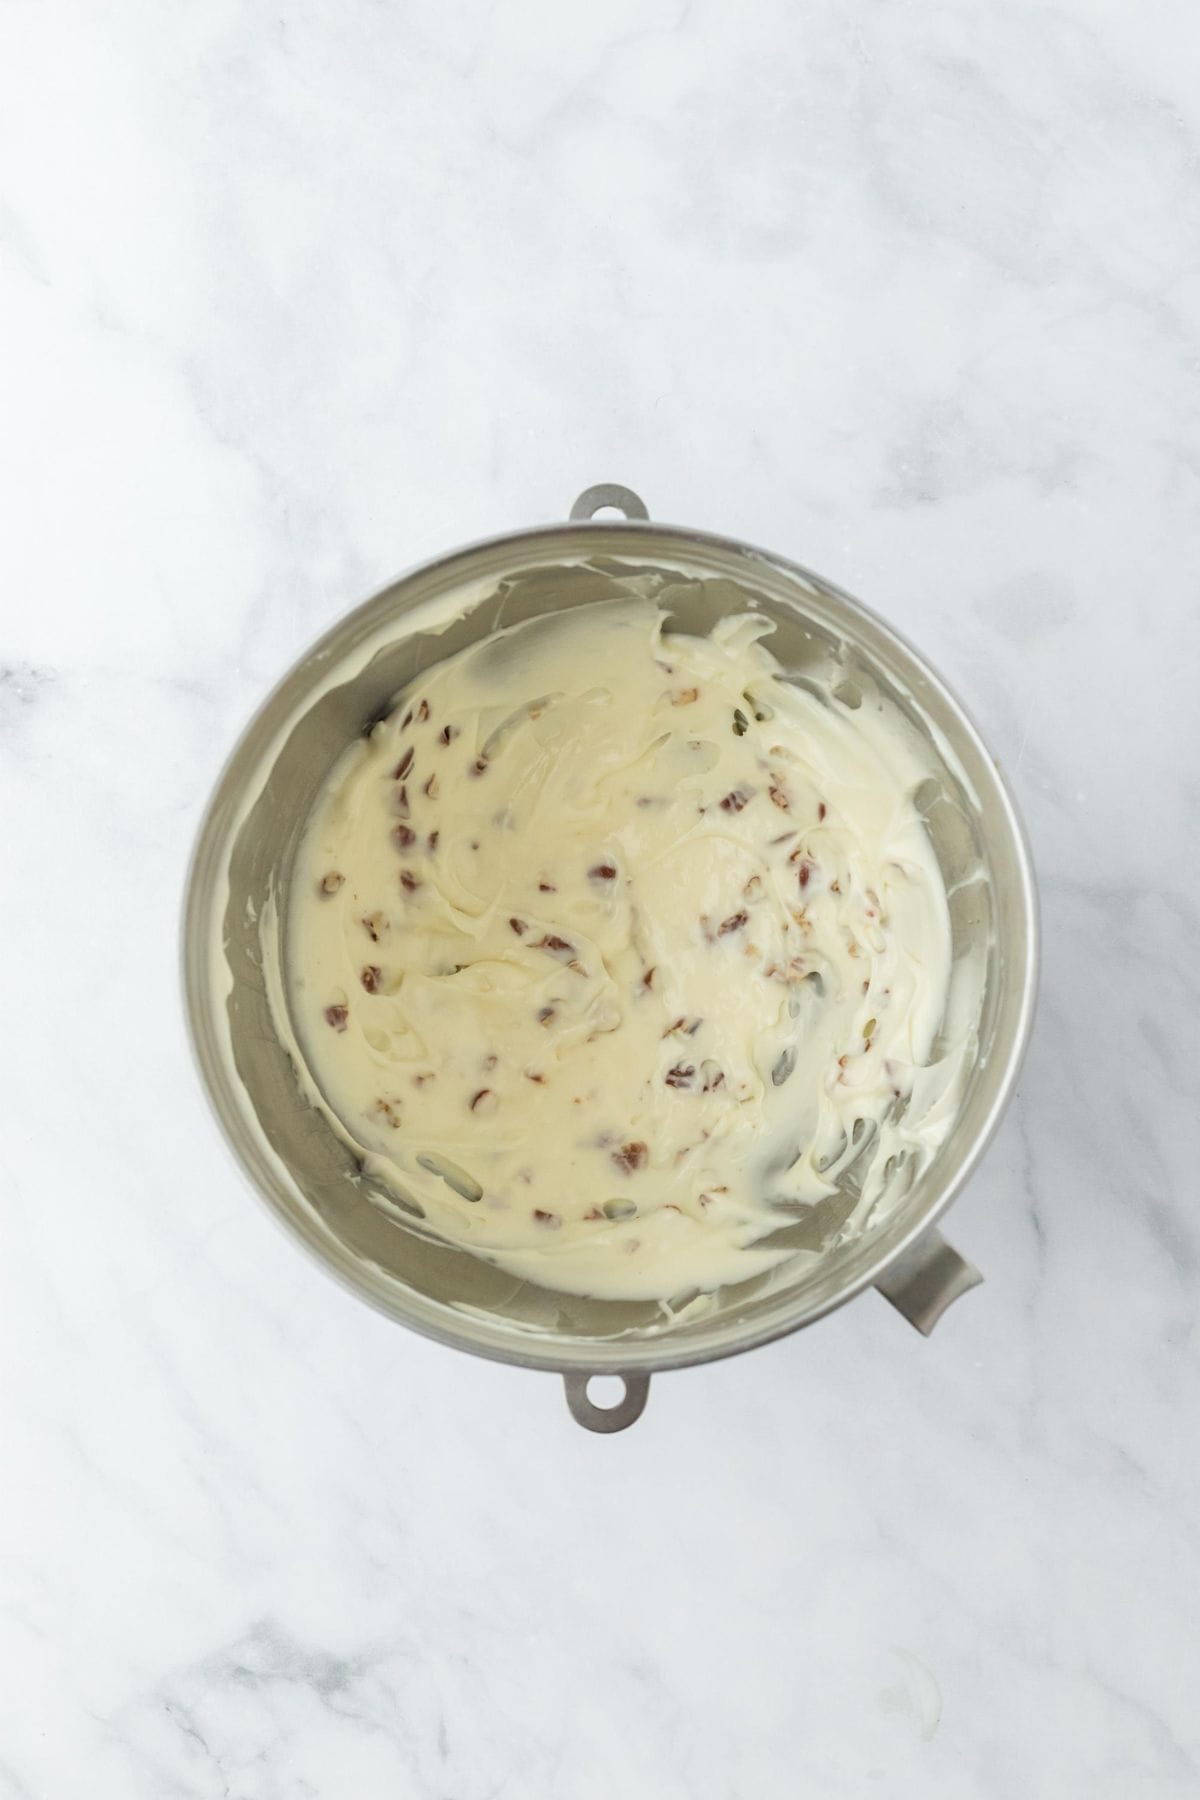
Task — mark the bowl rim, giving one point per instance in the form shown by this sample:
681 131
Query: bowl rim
434 1319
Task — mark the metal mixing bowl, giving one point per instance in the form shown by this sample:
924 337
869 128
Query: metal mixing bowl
242 865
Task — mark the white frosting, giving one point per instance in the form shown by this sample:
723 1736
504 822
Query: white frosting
612 950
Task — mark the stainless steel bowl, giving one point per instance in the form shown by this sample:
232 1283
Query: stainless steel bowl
243 858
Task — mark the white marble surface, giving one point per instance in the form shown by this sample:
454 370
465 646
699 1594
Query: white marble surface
291 298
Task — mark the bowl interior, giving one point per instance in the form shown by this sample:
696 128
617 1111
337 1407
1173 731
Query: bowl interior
250 836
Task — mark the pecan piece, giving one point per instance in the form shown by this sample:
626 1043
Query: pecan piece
630 1157
337 1016
404 765
372 978
329 884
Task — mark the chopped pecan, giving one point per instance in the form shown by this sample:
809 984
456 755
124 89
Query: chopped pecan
408 881
602 872
330 883
519 926
448 734
630 1157
422 712
736 798
372 978
337 1016
550 1220
734 922
404 765
681 1076
403 836
431 787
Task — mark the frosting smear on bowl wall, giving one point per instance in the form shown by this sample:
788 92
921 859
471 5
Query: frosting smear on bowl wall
614 951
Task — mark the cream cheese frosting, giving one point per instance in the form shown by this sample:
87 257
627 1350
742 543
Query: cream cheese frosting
613 949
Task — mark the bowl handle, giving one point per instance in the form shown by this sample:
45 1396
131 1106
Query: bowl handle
627 1411
609 493
927 1279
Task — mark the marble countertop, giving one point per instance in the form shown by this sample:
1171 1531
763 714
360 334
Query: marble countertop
293 298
